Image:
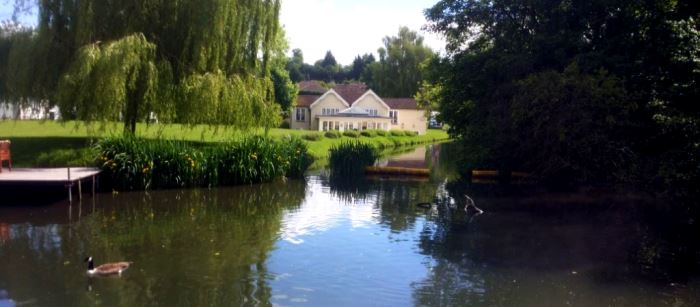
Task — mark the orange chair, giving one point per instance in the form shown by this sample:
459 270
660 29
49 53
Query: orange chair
5 153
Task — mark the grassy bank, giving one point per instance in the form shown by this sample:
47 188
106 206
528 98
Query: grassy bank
50 143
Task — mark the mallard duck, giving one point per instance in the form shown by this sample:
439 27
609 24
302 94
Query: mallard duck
107 268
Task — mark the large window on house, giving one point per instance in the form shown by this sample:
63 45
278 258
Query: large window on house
372 112
394 114
301 115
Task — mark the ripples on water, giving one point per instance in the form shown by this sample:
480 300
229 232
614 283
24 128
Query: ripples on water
320 242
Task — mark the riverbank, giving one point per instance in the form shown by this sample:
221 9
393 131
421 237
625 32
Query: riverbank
53 144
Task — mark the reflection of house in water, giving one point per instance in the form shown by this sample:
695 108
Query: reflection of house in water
421 157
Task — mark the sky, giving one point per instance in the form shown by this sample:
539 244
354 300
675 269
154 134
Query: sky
351 27
345 27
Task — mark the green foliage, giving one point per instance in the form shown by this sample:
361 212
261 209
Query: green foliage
351 133
368 133
285 90
410 133
381 132
397 133
315 136
351 157
238 102
117 80
134 164
100 64
333 134
402 60
555 89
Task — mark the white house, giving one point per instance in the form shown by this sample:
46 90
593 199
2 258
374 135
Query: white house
33 110
355 107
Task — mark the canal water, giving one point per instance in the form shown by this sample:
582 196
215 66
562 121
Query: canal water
327 241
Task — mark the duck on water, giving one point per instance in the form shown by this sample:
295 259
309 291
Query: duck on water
107 268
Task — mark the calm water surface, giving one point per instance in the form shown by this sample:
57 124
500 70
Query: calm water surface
329 242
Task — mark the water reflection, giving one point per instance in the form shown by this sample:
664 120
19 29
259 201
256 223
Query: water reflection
350 242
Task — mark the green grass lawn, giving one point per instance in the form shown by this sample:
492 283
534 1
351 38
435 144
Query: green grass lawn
51 143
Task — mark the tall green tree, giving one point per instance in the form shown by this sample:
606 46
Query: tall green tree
192 40
402 60
643 110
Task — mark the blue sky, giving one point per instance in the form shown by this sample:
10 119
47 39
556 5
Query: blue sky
345 27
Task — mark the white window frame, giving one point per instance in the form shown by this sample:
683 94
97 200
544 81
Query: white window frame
301 115
394 114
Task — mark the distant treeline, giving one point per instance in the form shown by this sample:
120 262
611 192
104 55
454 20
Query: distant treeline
398 72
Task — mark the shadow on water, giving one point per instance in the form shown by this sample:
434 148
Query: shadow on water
189 247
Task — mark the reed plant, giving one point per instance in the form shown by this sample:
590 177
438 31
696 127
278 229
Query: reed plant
137 164
351 157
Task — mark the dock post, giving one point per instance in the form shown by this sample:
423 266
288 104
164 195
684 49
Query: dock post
80 189
70 188
93 186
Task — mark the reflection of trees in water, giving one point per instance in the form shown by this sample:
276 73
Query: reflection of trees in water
189 247
584 250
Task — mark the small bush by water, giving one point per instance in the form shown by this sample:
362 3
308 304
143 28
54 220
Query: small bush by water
136 164
351 133
315 136
333 134
351 157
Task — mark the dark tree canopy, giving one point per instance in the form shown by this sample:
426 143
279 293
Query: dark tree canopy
628 70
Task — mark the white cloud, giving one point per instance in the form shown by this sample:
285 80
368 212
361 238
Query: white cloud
349 28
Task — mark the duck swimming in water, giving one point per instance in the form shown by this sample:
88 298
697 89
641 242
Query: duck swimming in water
107 268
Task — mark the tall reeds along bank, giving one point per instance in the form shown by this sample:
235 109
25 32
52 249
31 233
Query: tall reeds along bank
141 164
351 157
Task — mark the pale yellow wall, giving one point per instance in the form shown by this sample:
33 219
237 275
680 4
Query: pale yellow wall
328 101
294 124
413 120
371 102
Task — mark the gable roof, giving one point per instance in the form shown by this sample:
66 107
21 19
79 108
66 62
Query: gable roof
330 92
350 91
401 103
371 93
306 100
311 87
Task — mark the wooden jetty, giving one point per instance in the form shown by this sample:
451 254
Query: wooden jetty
36 177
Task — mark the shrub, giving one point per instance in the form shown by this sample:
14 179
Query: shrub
284 125
368 133
397 133
351 157
410 133
314 136
136 164
333 134
381 132
351 133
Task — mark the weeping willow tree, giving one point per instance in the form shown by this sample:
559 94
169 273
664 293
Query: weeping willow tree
106 83
188 61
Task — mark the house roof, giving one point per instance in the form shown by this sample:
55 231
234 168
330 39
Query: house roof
351 91
311 87
306 100
401 103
